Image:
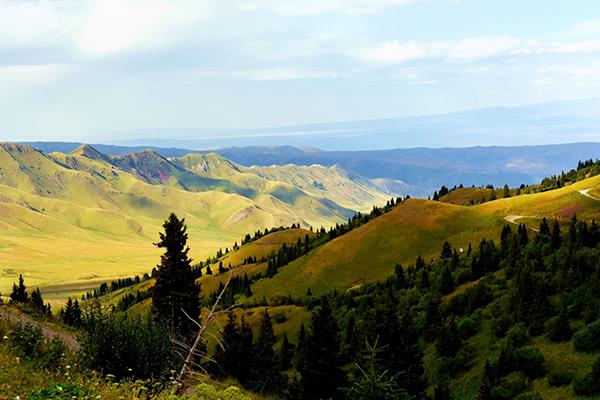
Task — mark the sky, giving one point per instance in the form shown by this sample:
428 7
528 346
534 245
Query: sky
91 70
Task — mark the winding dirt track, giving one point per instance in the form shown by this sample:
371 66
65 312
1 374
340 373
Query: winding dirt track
48 329
585 192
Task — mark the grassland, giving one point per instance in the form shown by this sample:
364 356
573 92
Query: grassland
68 222
418 228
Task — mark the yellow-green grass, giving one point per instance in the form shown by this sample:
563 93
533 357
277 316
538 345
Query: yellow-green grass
465 195
293 317
94 222
368 253
265 245
562 357
418 228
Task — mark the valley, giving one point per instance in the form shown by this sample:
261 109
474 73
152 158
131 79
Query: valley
71 220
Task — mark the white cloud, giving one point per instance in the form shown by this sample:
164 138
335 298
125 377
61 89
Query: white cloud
394 51
584 46
311 7
31 73
267 74
99 27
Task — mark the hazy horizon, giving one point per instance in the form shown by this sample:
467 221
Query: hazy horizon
76 70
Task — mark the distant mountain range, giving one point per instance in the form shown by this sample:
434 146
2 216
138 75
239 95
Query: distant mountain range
551 122
417 171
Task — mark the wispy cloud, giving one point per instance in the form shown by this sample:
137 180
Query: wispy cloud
32 73
99 27
311 7
394 51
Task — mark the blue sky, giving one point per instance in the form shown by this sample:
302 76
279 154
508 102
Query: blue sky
77 69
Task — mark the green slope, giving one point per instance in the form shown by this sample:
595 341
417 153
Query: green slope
419 228
84 217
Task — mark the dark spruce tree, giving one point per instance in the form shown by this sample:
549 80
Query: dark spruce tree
175 293
321 374
19 293
265 373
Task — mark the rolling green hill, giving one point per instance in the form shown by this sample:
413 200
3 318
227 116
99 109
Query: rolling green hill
80 218
418 228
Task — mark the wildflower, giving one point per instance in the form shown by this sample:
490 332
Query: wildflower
68 367
5 337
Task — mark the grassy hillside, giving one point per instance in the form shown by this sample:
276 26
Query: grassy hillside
79 218
418 228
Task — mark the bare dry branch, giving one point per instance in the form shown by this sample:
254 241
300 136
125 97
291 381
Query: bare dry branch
202 329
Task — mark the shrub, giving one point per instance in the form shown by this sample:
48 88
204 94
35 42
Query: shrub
28 341
208 392
560 378
588 339
529 396
462 275
531 361
511 386
467 327
557 329
126 347
61 392
590 383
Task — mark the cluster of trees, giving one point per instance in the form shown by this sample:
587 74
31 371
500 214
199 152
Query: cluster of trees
71 314
35 301
369 342
129 299
107 287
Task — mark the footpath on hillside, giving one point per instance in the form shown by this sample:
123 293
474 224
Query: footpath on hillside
49 330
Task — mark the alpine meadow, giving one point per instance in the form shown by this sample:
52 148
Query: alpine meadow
299 200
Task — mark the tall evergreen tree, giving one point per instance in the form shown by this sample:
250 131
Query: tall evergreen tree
286 354
321 374
265 373
175 293
19 292
300 353
446 281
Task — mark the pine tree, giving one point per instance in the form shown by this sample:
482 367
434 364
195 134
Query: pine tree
265 372
175 292
555 239
487 383
448 342
286 354
446 281
19 293
300 353
37 302
446 251
321 374
227 352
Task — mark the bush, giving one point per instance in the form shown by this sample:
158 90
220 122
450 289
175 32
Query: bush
560 378
589 384
61 392
511 386
531 361
557 329
462 275
124 346
517 336
467 327
529 396
209 392
28 341
588 339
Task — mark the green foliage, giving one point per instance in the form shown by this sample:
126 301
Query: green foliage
175 293
588 339
321 374
205 391
590 383
369 381
560 378
126 346
62 392
510 386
